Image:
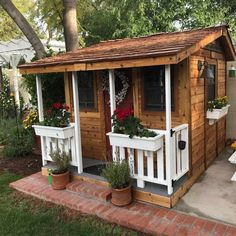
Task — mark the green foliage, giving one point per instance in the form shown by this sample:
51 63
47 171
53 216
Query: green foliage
57 116
6 100
218 103
20 142
52 85
62 160
9 29
28 216
124 122
128 18
6 128
30 119
117 174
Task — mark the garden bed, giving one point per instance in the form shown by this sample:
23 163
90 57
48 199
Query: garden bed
23 166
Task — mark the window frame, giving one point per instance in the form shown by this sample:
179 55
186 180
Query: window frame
95 95
215 80
174 94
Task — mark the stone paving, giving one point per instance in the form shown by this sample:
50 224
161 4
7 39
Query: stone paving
145 218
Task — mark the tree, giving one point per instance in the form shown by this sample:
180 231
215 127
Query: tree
70 25
24 26
127 18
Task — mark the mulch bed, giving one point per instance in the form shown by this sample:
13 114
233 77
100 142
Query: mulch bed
24 166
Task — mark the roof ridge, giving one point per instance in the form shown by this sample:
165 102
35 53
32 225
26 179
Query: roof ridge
160 33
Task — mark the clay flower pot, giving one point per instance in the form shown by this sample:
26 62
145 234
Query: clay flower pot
121 197
59 181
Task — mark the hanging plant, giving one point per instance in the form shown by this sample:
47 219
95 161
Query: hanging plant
121 94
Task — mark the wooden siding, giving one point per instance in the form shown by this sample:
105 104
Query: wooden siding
207 141
92 122
152 119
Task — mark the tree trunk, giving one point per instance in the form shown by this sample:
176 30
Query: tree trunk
70 25
25 27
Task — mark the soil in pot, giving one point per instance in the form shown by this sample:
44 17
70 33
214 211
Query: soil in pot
121 197
59 181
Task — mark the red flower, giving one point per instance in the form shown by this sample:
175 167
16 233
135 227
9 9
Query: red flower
49 111
57 105
122 114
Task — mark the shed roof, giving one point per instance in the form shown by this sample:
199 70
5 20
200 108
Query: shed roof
156 49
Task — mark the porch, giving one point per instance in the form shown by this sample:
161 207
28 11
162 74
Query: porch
156 164
90 198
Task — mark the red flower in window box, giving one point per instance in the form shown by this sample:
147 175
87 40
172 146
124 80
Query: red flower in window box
57 116
124 122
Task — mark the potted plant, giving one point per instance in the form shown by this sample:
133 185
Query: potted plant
129 132
118 176
217 109
60 175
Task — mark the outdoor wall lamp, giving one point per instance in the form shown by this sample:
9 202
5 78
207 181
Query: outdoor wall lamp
232 72
204 70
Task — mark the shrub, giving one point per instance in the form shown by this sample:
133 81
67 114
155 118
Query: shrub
6 129
117 174
20 142
6 100
61 159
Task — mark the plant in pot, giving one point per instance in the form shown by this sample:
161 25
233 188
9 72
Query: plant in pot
60 175
118 176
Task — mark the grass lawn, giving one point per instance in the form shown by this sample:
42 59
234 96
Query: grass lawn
21 215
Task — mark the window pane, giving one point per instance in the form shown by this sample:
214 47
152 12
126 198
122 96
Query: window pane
86 89
211 84
154 88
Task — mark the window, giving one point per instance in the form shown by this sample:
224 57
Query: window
154 88
211 84
86 89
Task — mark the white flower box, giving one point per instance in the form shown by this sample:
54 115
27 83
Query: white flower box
216 114
54 132
147 144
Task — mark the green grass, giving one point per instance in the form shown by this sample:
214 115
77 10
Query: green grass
20 215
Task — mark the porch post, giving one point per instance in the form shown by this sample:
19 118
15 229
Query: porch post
168 138
40 112
112 106
112 92
77 122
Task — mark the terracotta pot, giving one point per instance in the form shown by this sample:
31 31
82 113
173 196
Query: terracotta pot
59 181
121 197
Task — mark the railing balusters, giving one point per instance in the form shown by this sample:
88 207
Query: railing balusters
140 182
160 163
150 171
131 160
122 153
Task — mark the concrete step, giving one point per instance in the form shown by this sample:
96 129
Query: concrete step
92 190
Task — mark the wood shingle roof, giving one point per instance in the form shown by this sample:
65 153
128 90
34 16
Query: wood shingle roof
161 48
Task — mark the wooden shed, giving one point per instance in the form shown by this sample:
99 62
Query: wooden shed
162 77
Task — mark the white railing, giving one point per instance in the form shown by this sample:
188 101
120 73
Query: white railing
54 139
149 164
180 157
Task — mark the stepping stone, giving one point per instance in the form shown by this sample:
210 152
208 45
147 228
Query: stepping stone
91 190
233 177
232 158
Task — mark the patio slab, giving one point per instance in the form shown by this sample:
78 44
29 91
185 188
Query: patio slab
214 195
139 216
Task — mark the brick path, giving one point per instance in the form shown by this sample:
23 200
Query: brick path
93 200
